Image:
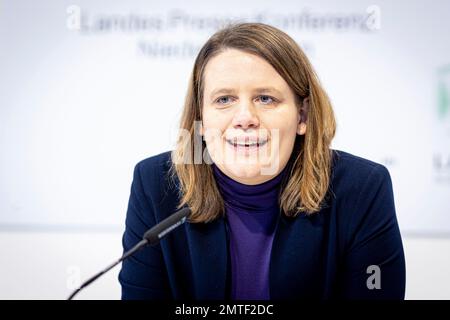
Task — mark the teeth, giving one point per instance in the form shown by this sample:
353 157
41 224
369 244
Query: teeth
246 144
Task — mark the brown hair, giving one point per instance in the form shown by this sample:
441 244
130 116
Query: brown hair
308 177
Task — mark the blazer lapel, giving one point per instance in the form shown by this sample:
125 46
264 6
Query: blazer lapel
295 258
206 244
208 248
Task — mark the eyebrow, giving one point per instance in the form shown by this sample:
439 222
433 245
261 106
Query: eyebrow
256 90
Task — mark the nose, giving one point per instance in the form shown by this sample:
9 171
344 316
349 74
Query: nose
246 117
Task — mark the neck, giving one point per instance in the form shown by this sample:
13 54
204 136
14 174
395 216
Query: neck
255 198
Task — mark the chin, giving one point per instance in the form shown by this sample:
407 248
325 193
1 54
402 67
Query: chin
245 171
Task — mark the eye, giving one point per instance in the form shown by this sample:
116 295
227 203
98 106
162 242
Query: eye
223 100
267 99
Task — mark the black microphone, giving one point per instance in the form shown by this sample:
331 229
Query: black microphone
151 237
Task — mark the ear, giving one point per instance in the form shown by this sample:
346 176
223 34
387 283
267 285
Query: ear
303 117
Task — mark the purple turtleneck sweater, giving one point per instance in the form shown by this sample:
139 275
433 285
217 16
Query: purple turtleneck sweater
251 215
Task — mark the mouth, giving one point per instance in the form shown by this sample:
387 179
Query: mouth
247 145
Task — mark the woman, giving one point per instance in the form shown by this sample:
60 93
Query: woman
275 212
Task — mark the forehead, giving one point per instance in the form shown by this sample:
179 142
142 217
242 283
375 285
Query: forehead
233 68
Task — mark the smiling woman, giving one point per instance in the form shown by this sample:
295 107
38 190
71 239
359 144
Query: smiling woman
276 213
252 82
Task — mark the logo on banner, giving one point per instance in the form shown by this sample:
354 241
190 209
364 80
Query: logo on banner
441 156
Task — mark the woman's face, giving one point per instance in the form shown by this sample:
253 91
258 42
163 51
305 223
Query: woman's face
250 118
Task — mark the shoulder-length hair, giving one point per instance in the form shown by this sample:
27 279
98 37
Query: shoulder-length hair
308 176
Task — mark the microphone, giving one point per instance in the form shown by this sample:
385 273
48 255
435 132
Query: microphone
151 237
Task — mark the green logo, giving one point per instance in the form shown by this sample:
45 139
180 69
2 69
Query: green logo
443 91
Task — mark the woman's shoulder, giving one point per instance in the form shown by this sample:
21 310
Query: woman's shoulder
344 158
353 166
362 193
364 201
156 163
153 171
353 174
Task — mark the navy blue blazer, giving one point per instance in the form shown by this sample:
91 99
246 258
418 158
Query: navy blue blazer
328 255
